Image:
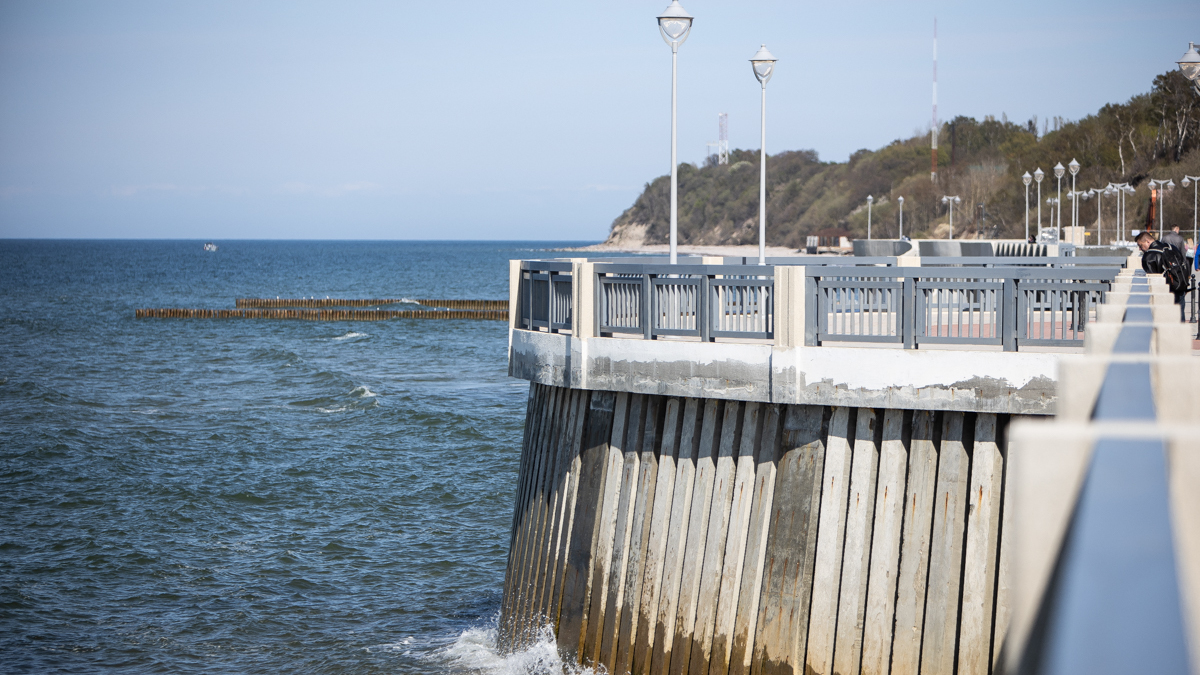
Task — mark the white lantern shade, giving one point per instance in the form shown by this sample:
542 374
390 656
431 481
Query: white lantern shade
1074 167
1189 63
675 24
763 64
1038 175
1059 170
1026 179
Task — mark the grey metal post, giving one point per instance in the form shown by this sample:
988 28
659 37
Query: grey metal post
908 313
812 308
645 307
703 307
598 297
1008 316
550 301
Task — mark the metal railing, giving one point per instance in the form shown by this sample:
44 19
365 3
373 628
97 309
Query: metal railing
1010 307
544 297
703 301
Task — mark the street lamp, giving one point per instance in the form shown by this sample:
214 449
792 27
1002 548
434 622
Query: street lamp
1074 167
1075 196
951 200
1026 179
901 200
1195 191
1059 170
675 24
1038 175
870 200
1053 202
1121 191
1169 185
1189 64
764 67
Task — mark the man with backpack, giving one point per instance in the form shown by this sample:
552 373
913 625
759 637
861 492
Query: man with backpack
1159 257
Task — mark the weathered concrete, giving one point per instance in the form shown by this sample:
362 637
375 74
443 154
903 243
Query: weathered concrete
1016 382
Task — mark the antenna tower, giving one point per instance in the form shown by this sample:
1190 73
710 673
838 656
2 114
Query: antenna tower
722 138
933 130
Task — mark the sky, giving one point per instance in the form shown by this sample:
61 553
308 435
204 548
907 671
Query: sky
486 120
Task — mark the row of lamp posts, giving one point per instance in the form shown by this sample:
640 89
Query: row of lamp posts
675 24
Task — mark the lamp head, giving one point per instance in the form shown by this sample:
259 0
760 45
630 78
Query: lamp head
1038 175
870 199
674 23
763 64
1026 179
1059 170
1074 167
901 200
1171 185
1186 181
1189 63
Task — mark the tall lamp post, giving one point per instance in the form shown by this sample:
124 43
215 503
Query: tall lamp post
1038 175
1075 196
1195 204
1074 167
764 67
870 200
1163 186
1026 179
1121 191
1059 170
901 200
951 200
1053 203
1189 64
675 24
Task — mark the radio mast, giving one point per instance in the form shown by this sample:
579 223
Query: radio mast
933 130
722 138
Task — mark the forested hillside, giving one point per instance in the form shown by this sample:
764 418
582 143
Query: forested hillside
1153 135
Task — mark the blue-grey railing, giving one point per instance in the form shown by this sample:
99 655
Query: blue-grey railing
1007 301
544 297
1113 600
704 301
1009 307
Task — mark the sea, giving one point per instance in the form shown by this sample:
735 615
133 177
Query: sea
254 496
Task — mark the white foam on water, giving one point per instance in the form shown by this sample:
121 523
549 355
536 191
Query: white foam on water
475 652
362 392
350 336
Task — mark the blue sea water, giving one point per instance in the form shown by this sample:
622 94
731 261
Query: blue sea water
253 496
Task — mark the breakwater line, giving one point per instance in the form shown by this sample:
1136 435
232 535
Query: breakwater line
273 303
320 314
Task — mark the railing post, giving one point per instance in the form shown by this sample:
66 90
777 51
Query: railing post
1008 316
908 313
703 308
789 304
646 310
549 301
584 309
812 310
514 298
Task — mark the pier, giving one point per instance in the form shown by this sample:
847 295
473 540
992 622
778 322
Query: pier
298 308
835 465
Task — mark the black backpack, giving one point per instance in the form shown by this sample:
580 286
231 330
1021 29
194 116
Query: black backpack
1175 269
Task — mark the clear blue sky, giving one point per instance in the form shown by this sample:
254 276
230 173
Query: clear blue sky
493 120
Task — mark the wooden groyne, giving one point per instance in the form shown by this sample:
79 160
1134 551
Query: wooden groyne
320 314
273 303
674 536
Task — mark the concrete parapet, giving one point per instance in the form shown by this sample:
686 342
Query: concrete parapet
968 381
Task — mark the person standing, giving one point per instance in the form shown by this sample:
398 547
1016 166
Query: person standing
1175 239
1161 257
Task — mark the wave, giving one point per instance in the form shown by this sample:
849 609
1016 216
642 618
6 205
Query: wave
362 392
351 335
474 651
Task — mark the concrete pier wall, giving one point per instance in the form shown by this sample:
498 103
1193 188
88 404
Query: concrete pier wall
671 534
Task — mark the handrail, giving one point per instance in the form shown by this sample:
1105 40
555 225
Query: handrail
1011 307
545 297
